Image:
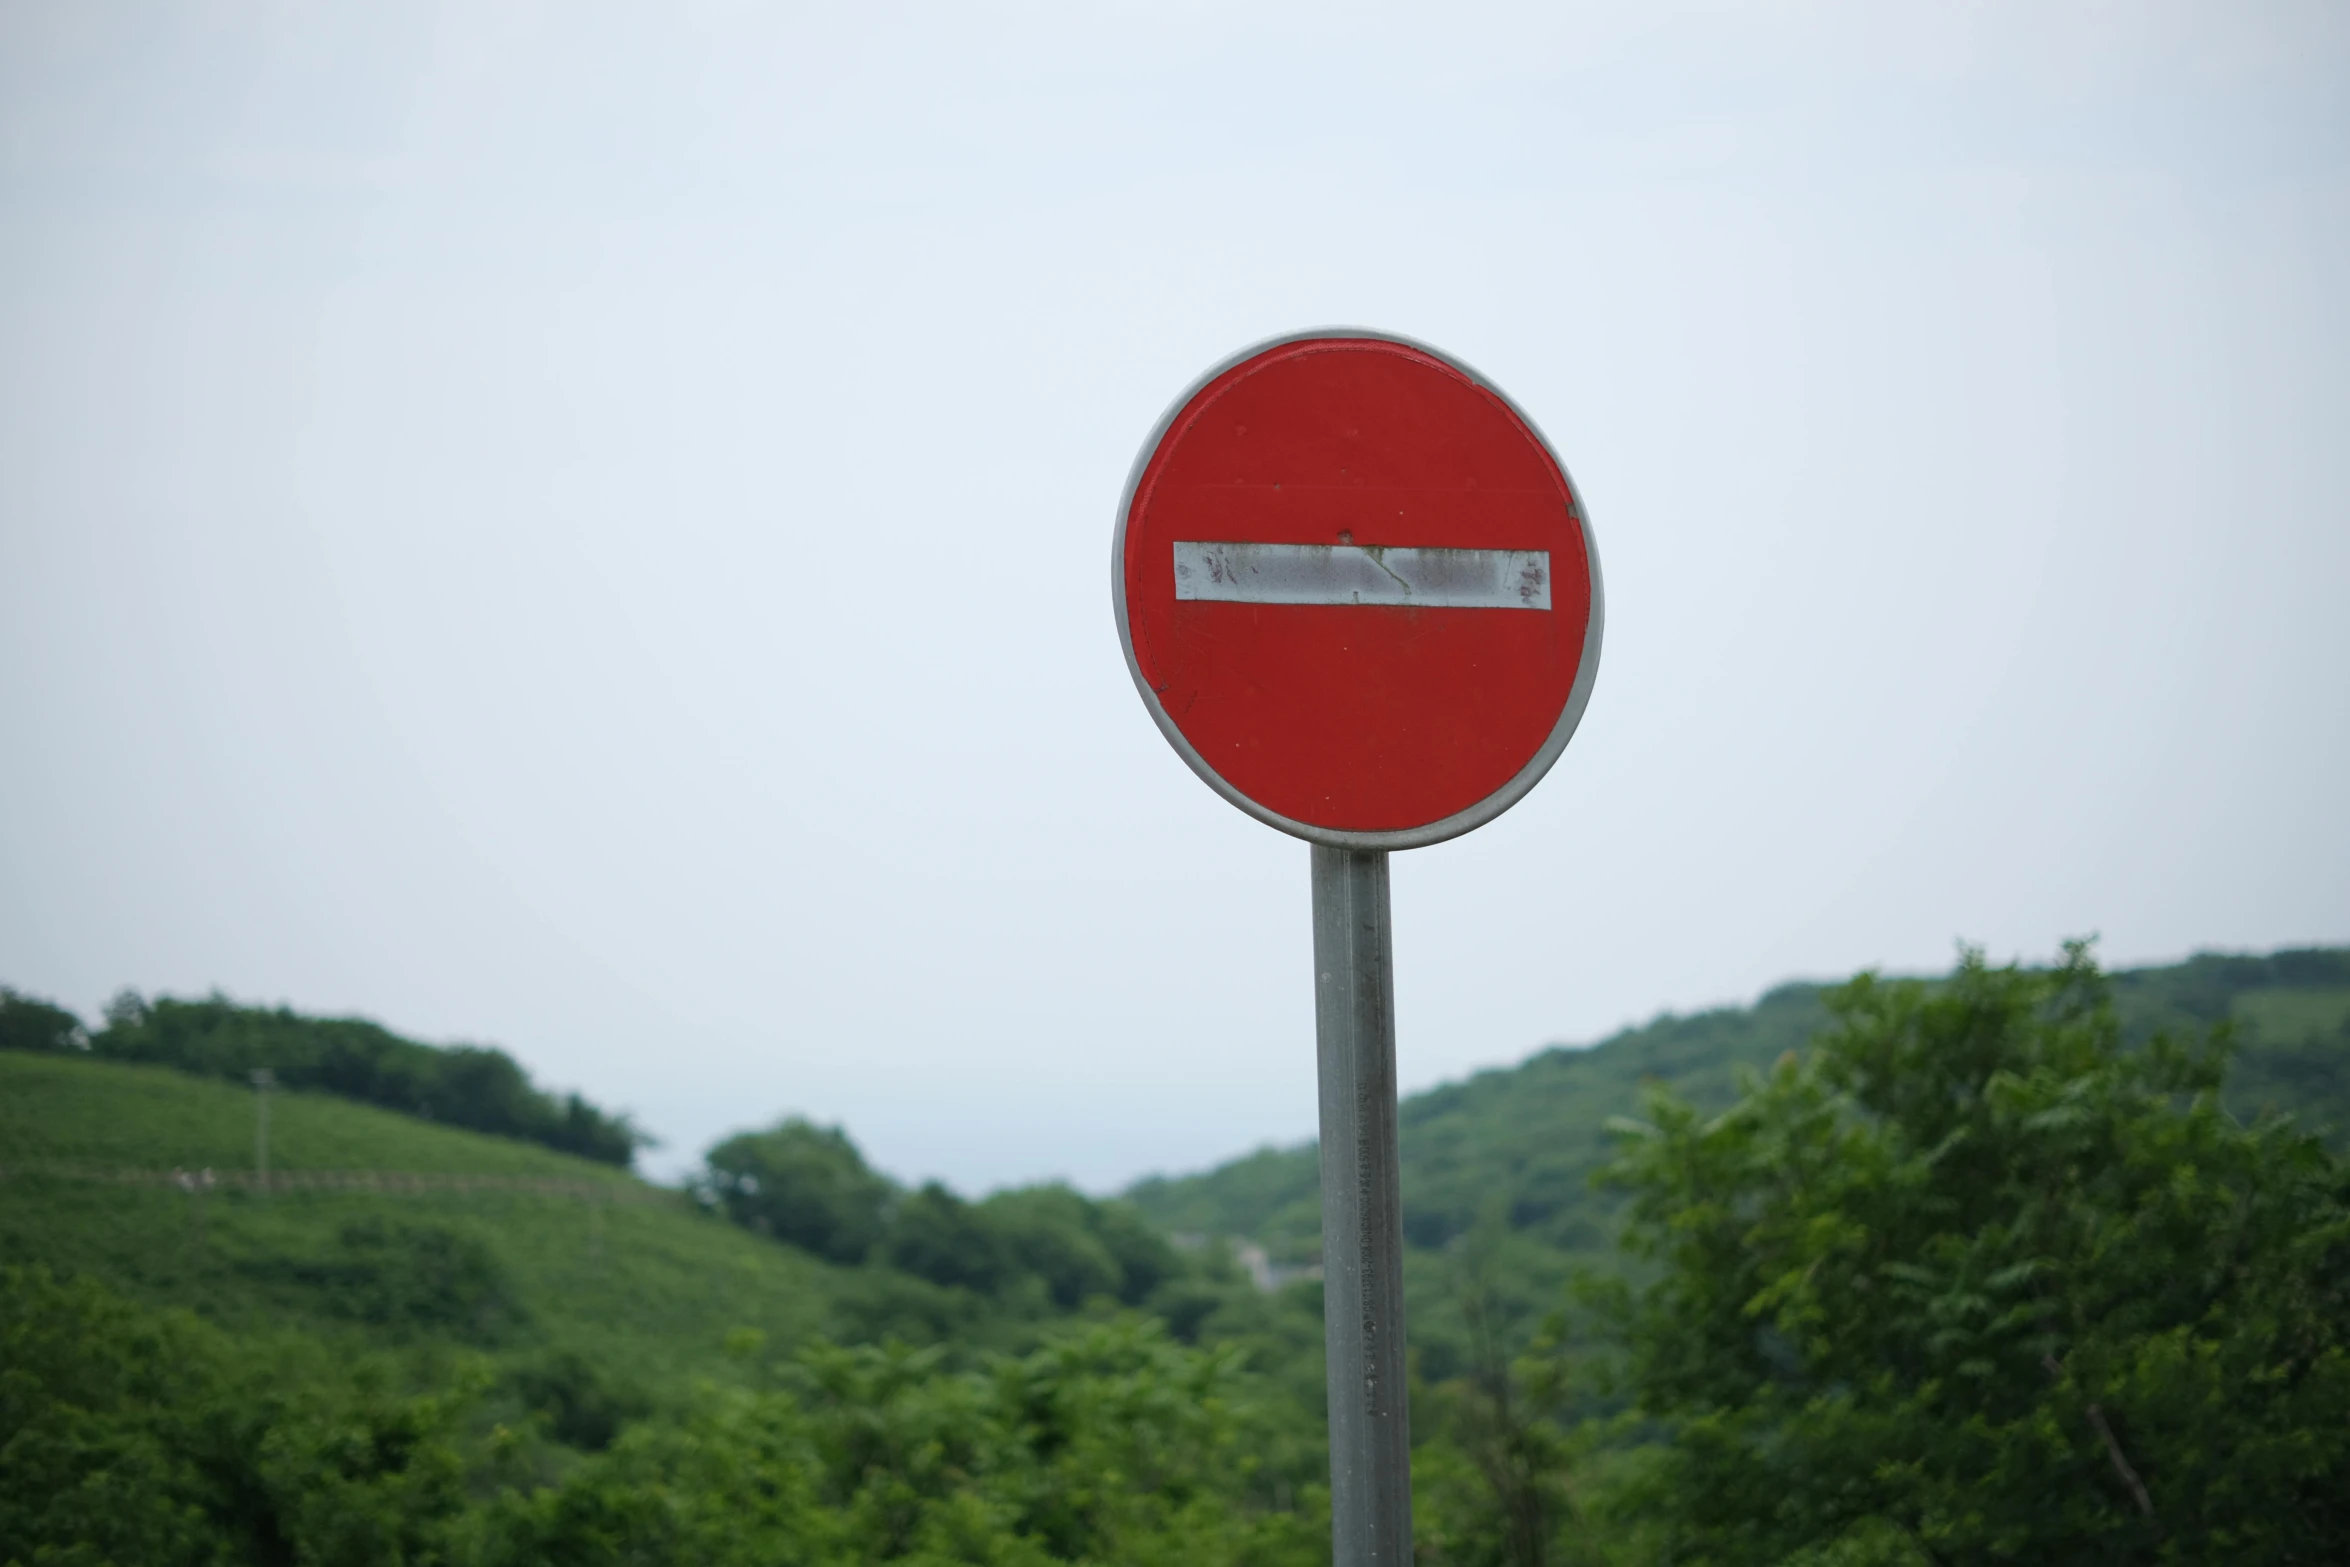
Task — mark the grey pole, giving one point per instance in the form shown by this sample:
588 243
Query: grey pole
1362 1211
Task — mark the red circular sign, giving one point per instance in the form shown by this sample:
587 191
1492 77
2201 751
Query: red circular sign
1357 590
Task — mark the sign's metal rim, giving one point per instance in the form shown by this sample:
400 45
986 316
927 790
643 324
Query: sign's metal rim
1459 822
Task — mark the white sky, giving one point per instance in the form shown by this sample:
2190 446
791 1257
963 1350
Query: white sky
585 528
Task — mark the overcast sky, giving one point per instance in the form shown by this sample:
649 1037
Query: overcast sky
586 528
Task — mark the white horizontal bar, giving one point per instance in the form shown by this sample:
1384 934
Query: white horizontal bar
1354 574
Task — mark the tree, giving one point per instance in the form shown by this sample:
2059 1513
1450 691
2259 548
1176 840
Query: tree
936 1235
804 1184
1494 1481
1973 1282
28 1023
1079 1248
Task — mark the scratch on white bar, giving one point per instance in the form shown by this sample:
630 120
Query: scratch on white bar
1356 574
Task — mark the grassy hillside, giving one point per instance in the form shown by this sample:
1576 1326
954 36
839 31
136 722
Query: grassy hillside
544 1262
608 1268
1515 1147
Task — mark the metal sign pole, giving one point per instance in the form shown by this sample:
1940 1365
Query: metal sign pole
1362 1211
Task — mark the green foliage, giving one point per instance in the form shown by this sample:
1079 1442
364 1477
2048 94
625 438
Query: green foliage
146 1437
408 1278
803 1184
1108 1445
1529 1136
1494 1483
1055 1235
1048 1245
90 1400
139 1437
582 1404
1975 1281
480 1089
1079 1249
1037 1250
1532 1134
936 1235
875 1303
1521 1145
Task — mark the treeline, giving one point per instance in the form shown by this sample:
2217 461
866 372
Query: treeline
470 1086
1031 1253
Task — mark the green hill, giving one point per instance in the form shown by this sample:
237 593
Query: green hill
377 1230
1514 1148
547 1255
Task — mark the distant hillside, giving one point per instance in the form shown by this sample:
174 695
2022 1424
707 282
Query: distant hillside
379 1230
592 1263
1517 1145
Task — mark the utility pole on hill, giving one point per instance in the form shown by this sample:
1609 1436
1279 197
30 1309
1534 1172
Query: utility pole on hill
263 1081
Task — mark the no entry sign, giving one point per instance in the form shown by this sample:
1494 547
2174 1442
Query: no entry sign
1357 590
1358 593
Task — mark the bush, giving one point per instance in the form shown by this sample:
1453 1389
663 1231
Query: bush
411 1278
133 1436
583 1407
1973 1281
1110 1446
